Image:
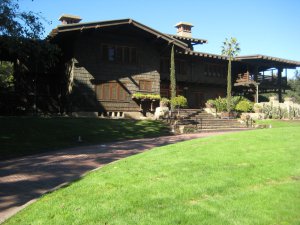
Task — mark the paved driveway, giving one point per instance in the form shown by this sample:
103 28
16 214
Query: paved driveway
22 180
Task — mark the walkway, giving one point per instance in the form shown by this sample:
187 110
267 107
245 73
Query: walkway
22 180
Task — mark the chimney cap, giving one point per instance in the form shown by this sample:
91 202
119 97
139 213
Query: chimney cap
183 23
67 19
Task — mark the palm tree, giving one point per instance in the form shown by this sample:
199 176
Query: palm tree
230 49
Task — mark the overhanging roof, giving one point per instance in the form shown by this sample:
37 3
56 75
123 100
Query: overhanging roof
190 39
206 55
110 23
268 60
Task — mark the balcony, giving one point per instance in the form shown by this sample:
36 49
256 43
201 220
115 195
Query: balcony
264 81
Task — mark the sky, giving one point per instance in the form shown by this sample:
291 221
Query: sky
268 27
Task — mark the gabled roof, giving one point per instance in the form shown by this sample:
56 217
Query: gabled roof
264 59
110 23
190 39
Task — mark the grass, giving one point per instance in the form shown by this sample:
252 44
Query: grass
27 135
250 177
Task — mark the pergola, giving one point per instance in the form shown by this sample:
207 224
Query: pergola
260 63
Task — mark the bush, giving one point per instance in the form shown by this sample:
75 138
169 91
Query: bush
220 104
179 101
210 103
244 106
139 95
164 101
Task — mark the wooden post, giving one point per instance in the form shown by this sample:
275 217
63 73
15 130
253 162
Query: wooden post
256 100
255 73
279 83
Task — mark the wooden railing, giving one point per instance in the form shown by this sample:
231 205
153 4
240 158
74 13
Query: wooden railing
261 79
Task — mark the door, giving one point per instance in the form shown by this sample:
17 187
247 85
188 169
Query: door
198 98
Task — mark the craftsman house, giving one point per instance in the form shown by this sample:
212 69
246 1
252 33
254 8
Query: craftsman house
111 60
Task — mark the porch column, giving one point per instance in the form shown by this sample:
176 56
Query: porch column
279 83
255 73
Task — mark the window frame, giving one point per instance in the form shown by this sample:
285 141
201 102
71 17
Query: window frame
103 94
122 54
146 85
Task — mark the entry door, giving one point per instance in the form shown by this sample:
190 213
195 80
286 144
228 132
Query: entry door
198 100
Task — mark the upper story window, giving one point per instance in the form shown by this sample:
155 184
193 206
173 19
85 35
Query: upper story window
180 66
214 70
145 85
119 54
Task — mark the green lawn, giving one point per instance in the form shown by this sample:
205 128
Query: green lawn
251 177
26 135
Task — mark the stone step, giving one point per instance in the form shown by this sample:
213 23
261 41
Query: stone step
219 126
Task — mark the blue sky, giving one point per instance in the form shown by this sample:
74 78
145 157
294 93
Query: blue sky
269 27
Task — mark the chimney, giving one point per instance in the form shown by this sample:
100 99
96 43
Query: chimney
184 29
69 19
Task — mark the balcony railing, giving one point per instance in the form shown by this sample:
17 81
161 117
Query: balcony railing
265 80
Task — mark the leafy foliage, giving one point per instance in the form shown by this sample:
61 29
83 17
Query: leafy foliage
295 87
6 75
244 106
139 95
17 23
179 101
220 104
164 101
230 49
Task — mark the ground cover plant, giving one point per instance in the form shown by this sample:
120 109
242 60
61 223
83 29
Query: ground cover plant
250 177
28 135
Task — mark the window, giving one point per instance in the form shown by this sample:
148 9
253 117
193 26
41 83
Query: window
165 90
214 70
119 54
111 54
145 85
165 66
180 66
111 91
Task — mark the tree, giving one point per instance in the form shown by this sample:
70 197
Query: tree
172 74
230 49
295 87
179 102
34 60
17 23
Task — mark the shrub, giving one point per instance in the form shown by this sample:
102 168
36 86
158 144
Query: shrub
244 106
210 103
164 101
179 101
257 108
220 104
139 95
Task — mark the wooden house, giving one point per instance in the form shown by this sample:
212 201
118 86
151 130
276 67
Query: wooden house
109 61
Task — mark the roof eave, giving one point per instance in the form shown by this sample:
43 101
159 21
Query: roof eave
101 24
